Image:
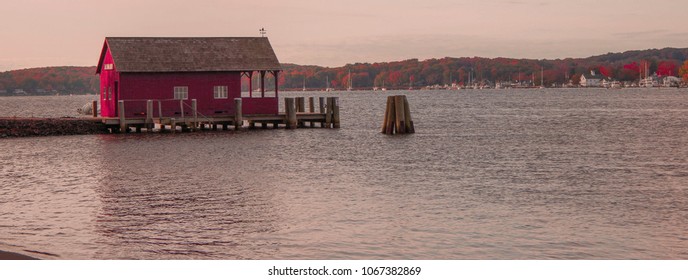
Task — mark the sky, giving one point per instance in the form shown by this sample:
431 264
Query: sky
36 33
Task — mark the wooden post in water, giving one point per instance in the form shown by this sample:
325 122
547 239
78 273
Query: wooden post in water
95 108
194 109
335 111
397 116
400 122
238 114
290 110
300 104
328 113
149 116
311 104
122 120
386 116
311 108
407 116
321 104
300 108
390 115
173 125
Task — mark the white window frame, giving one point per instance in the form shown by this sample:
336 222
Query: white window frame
220 92
108 66
181 93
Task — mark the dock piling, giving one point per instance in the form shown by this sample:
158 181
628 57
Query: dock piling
94 106
149 116
122 120
290 110
328 113
397 119
321 104
335 112
194 110
238 116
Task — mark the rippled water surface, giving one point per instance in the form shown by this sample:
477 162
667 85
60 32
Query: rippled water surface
523 174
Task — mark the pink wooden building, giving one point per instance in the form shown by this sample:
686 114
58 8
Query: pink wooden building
174 71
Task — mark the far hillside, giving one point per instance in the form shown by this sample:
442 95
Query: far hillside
626 66
50 81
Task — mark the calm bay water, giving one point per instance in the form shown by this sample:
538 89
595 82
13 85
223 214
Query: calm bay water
498 174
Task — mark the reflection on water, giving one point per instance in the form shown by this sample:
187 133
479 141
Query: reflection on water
557 174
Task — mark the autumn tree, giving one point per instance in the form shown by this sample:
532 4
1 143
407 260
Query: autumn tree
683 72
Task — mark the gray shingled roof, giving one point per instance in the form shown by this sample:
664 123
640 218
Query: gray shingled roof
184 54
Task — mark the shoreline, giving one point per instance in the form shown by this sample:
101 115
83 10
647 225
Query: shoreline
5 255
29 127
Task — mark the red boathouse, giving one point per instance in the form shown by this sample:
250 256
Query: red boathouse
173 71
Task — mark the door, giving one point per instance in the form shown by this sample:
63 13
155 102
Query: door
115 99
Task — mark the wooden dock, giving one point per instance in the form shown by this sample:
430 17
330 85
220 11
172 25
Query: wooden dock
295 115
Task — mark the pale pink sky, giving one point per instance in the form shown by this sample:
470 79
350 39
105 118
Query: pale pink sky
332 33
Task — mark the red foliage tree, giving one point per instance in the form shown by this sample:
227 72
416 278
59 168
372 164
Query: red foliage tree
667 68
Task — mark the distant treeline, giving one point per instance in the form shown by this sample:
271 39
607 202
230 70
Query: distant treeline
49 81
626 66
620 66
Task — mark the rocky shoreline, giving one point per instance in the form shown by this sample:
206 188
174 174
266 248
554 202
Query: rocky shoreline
28 127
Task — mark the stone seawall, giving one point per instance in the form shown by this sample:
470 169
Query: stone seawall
24 127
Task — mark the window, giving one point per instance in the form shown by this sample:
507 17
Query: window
181 93
109 93
220 92
108 66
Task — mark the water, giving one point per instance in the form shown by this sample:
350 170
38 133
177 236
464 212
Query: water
499 174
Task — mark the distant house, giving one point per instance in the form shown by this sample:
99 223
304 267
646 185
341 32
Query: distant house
174 71
671 81
591 80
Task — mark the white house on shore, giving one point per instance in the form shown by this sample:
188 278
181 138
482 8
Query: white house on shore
591 80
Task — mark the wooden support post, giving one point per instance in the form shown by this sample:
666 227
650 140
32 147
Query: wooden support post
290 110
300 104
160 110
225 126
94 105
328 113
311 108
263 125
386 116
407 115
276 74
138 129
300 108
390 115
173 125
262 84
181 106
321 105
238 115
194 110
251 124
400 121
335 111
122 120
149 116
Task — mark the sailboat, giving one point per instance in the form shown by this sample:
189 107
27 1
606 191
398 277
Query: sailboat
304 83
327 83
350 88
383 85
542 76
